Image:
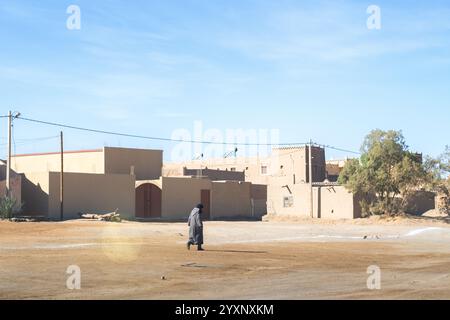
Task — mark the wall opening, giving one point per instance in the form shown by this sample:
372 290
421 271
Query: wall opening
148 201
206 201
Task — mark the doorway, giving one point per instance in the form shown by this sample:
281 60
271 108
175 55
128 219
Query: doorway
148 201
206 201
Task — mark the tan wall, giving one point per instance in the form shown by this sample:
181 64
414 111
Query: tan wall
35 193
231 199
337 203
87 162
300 193
181 195
16 188
328 202
147 163
95 193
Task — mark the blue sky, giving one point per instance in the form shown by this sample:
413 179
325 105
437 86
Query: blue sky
311 69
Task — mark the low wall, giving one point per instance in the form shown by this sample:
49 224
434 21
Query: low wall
336 203
96 193
231 199
181 195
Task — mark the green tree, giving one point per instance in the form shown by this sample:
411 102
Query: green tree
386 174
439 171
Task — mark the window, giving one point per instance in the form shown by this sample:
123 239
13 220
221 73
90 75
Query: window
263 169
288 202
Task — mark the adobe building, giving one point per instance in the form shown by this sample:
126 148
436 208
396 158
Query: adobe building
285 173
172 198
147 164
103 180
99 181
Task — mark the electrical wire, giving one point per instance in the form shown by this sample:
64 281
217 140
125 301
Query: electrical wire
294 144
155 138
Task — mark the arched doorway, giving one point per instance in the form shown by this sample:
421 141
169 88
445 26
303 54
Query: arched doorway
148 201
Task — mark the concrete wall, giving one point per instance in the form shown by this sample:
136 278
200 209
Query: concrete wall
181 195
231 199
89 161
147 163
92 193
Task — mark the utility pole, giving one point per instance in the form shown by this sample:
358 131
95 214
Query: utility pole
11 117
8 163
61 180
311 180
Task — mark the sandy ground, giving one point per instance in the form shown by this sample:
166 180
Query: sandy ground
244 260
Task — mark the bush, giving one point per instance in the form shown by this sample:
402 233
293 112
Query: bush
9 207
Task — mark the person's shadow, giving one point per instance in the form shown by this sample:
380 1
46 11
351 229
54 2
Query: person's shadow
238 251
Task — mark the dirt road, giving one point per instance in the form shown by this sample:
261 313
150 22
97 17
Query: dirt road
244 260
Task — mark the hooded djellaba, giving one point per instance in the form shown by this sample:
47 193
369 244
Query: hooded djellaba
196 228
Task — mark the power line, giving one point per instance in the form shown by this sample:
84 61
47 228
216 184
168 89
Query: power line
155 138
21 142
174 140
337 149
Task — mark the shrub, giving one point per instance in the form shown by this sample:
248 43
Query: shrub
9 207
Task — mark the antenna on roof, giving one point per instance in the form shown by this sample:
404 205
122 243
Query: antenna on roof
198 157
228 154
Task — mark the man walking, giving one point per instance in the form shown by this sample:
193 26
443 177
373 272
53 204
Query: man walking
196 228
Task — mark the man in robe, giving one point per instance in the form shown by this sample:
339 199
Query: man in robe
195 228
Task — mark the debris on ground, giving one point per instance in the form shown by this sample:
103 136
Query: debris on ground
377 237
110 217
435 213
26 219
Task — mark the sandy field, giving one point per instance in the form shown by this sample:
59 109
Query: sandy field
243 260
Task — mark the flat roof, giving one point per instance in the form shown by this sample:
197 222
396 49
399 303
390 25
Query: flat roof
52 153
82 151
